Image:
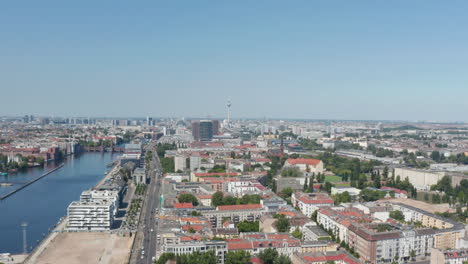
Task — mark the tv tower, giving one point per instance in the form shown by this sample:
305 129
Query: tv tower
229 112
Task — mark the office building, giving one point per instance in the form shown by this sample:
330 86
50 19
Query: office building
204 130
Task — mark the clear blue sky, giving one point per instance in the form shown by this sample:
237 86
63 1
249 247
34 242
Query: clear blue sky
405 59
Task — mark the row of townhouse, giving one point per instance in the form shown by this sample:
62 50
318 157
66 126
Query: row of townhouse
255 243
395 241
219 247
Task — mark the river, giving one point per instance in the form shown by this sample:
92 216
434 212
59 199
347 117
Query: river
44 202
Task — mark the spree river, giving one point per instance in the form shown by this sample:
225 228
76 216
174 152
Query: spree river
44 202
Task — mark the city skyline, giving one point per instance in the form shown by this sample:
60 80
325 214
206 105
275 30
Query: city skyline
402 60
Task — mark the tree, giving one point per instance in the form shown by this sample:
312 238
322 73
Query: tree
247 226
195 213
377 183
297 233
311 183
412 254
165 257
282 224
229 200
397 215
197 258
188 198
250 199
237 257
305 185
282 259
385 172
344 197
217 199
268 256
287 192
426 197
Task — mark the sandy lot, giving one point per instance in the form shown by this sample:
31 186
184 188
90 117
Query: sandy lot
421 205
92 248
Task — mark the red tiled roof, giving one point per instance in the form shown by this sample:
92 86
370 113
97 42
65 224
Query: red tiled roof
287 213
244 146
394 189
340 257
256 260
239 245
183 205
197 228
311 162
217 174
318 198
278 236
190 238
239 207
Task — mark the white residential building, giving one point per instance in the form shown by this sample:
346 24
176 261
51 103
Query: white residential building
351 190
306 165
93 215
180 163
240 188
308 203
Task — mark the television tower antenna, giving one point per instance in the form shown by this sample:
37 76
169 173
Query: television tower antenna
229 112
24 225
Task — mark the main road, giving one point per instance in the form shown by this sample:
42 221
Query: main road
145 249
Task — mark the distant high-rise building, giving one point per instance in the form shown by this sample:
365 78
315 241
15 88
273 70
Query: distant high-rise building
215 127
196 130
149 121
205 129
26 119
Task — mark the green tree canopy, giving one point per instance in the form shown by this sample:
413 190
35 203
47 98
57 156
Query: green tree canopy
282 224
268 256
237 257
188 198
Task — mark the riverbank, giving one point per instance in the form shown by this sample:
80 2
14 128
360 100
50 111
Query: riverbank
43 203
62 246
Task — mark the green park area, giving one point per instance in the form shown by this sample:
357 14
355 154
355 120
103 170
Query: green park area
333 178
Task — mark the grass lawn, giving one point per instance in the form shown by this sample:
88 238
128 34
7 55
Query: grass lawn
346 184
333 178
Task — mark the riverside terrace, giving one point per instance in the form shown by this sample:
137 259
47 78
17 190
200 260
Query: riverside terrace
376 237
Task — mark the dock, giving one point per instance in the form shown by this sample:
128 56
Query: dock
30 182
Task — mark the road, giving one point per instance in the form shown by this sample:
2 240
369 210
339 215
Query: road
148 224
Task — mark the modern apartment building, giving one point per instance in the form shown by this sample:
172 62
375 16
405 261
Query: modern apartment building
94 211
94 215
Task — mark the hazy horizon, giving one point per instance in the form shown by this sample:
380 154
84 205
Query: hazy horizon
329 60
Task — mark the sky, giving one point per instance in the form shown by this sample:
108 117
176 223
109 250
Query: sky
313 59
